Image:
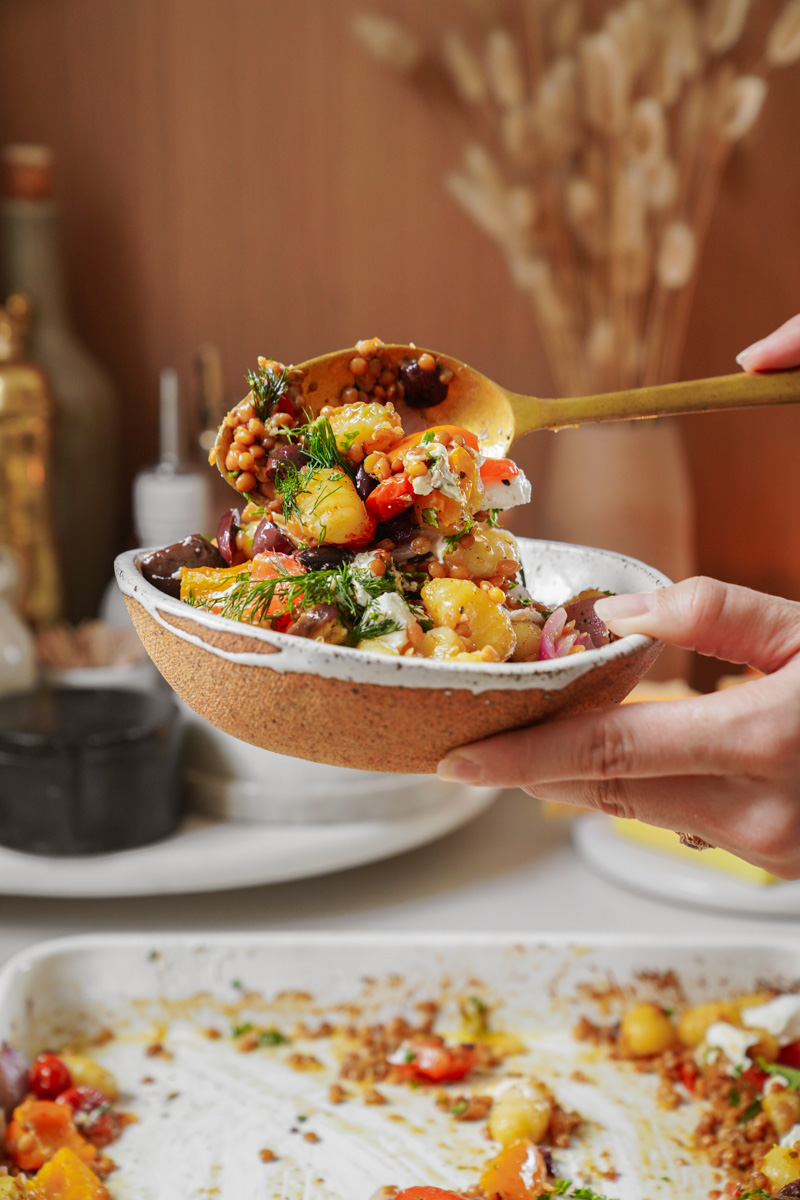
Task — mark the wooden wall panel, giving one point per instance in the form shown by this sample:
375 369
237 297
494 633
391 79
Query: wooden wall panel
237 171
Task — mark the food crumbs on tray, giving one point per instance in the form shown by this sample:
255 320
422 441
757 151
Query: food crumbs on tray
303 1062
731 1066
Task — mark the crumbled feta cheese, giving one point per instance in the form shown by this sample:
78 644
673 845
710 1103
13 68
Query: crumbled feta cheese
732 1042
509 493
441 477
780 1017
391 606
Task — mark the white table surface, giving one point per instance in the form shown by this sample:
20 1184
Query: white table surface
510 870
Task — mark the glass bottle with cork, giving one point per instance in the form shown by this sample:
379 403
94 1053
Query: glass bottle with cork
86 441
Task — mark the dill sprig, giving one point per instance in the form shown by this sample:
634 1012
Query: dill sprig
320 446
268 388
493 518
289 483
250 600
370 627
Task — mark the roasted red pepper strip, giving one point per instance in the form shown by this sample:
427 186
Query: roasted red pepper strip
495 469
390 498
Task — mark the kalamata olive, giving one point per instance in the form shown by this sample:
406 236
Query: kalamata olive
789 1190
268 537
323 558
322 623
364 483
229 525
423 389
399 529
586 619
162 568
282 455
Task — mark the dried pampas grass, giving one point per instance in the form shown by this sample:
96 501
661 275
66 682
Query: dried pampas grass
594 152
387 41
783 43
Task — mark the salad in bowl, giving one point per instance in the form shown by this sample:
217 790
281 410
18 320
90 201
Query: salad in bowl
361 603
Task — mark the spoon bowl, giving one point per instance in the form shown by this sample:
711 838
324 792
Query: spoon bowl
498 416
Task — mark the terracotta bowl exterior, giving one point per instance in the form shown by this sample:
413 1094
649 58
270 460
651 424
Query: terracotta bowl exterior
373 712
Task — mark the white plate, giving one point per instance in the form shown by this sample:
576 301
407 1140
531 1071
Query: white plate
207 855
676 879
207 1110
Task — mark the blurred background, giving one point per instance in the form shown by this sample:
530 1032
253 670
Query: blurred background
245 173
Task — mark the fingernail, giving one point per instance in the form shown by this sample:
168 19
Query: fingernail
626 614
743 357
456 769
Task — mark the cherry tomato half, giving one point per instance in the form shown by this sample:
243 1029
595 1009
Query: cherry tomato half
436 1062
48 1077
83 1098
689 1074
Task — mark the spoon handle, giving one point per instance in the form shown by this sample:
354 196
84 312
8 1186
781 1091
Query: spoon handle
693 396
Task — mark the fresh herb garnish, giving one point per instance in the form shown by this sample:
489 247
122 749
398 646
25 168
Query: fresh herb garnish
271 1037
320 446
431 517
239 1030
754 1194
458 1108
251 599
268 388
734 1097
790 1074
370 627
493 518
427 437
752 1110
452 540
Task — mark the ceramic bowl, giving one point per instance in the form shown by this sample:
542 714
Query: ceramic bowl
369 711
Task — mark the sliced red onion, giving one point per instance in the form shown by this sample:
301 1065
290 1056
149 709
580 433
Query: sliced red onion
555 642
13 1077
551 630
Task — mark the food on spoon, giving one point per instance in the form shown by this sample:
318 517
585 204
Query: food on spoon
354 532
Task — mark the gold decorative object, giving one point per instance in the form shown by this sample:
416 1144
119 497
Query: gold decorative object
593 154
26 420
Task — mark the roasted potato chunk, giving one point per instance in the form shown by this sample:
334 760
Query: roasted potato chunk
361 429
463 606
329 511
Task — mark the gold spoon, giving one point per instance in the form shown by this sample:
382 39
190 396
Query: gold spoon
498 417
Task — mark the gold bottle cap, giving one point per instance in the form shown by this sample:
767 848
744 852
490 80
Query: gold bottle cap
27 171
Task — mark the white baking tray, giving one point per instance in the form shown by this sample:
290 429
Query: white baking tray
209 1110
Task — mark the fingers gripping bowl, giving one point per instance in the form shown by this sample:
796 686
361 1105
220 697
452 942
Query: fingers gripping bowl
362 608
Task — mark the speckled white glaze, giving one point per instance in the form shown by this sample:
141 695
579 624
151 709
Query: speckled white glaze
554 572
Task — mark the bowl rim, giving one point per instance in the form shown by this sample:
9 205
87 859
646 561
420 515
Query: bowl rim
299 655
